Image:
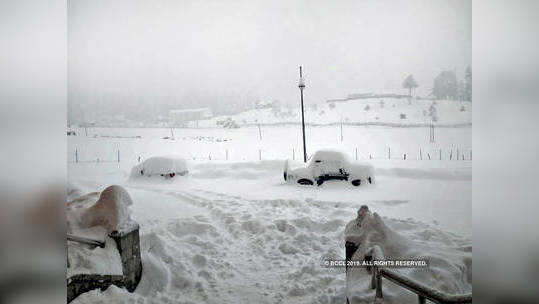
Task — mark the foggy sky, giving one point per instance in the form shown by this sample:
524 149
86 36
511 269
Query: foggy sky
133 55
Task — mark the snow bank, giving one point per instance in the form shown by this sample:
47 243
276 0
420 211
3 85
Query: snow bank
94 216
449 257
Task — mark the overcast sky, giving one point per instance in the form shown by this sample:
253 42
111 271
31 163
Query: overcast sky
141 52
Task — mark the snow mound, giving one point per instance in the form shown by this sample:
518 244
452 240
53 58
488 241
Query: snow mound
94 216
111 211
449 257
160 165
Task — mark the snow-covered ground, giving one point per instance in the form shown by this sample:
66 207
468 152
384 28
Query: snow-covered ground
372 111
233 231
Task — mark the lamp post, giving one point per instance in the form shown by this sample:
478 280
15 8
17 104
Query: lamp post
301 86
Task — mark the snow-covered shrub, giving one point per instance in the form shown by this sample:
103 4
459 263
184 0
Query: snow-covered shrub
229 123
433 113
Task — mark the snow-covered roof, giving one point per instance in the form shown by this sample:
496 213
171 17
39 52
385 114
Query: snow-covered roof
162 165
329 154
189 110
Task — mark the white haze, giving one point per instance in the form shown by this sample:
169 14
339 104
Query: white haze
128 56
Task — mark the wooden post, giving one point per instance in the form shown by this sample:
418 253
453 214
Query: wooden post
440 153
404 156
451 155
356 153
226 152
379 293
341 131
118 155
128 244
470 154
420 154
428 154
293 154
389 153
259 132
351 248
259 154
457 153
76 155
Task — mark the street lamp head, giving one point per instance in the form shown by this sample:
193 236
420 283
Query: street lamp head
301 84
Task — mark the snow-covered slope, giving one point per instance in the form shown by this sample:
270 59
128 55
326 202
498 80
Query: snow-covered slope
373 111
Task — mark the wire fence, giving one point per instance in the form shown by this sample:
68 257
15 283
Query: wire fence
115 156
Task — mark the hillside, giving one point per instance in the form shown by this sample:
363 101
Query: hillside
373 111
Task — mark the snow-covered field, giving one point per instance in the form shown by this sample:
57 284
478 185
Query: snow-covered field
371 111
233 231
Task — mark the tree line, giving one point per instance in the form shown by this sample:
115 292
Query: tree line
445 85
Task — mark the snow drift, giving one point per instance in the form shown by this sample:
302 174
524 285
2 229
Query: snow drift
449 258
94 216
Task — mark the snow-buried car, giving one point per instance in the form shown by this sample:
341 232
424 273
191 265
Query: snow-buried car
328 165
166 166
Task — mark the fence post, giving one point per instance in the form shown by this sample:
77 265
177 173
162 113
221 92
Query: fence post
118 155
428 154
389 153
451 155
404 156
259 154
293 154
470 154
440 154
457 153
421 299
420 154
379 293
226 152
356 153
76 156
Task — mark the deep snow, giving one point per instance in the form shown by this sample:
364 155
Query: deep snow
234 232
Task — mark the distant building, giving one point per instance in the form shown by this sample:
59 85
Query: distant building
181 117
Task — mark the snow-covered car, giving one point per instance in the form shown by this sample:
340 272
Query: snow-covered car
328 165
166 166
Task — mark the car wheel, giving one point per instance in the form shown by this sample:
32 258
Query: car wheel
356 182
319 182
370 180
284 174
305 181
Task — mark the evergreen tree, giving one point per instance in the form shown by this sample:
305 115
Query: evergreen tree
410 83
